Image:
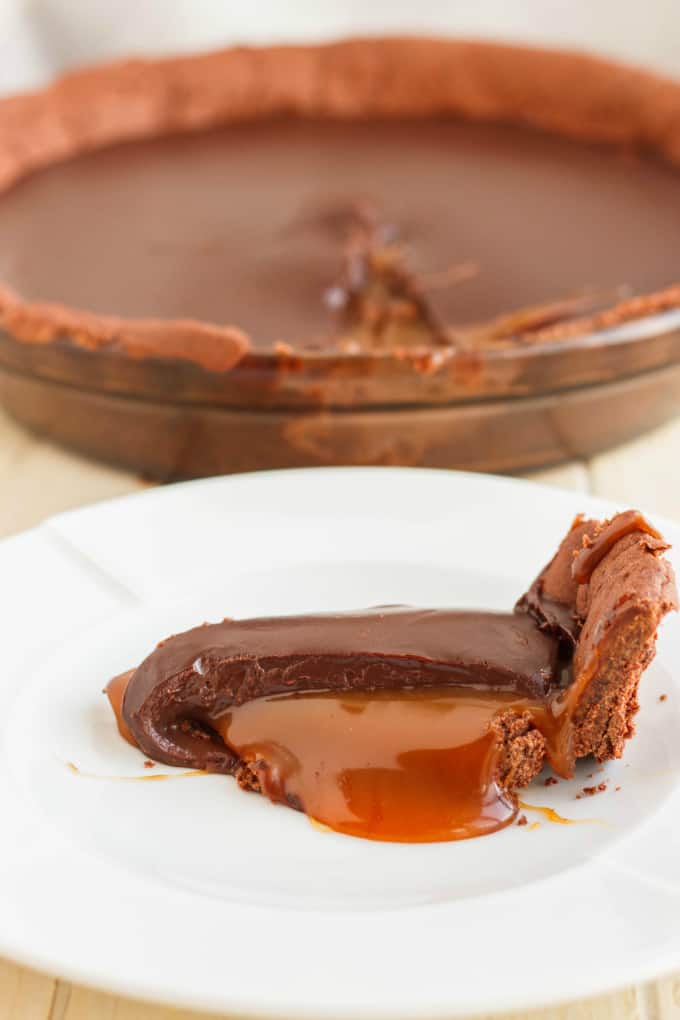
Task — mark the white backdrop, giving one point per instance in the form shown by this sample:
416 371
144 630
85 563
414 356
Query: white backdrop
39 38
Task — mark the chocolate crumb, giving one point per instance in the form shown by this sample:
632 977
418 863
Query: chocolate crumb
522 820
149 764
550 781
590 791
663 697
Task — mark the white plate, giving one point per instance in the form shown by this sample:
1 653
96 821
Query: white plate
191 892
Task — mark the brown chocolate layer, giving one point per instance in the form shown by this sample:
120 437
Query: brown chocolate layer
242 225
200 674
251 226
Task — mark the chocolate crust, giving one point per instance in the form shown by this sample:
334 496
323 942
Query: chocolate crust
628 595
523 750
573 95
612 623
42 322
614 617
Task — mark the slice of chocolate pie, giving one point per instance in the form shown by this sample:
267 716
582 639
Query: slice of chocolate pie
415 725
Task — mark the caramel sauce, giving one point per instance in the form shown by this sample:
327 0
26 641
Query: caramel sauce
403 766
591 555
156 778
412 766
115 692
551 815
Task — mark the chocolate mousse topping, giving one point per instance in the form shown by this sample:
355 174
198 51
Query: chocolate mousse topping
204 208
285 703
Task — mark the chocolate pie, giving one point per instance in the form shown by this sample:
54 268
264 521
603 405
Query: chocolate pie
358 253
415 725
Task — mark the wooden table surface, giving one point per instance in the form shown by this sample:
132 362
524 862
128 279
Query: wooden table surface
37 479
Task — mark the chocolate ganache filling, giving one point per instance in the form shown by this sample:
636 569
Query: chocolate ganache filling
359 235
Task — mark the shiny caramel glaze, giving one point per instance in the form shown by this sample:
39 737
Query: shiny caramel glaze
404 766
411 766
115 692
416 766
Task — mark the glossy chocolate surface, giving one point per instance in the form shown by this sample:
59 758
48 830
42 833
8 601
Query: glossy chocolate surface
249 224
392 646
